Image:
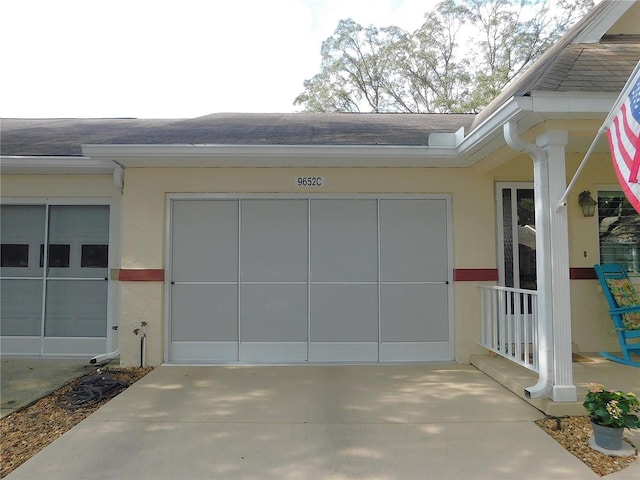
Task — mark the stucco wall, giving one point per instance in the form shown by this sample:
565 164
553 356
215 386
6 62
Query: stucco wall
144 229
472 191
58 186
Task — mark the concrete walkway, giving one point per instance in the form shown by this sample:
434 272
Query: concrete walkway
310 422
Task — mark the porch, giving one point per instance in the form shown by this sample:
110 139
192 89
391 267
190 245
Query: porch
587 368
511 333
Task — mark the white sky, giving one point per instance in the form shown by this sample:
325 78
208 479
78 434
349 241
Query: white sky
171 58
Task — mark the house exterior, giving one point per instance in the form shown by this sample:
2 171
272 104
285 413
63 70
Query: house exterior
309 238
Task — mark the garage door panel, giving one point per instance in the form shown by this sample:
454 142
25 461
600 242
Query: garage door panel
76 308
274 313
274 242
317 280
344 240
413 238
344 313
205 241
21 315
414 313
204 313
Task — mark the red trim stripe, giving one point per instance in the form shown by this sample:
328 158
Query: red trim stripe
141 275
582 273
459 274
475 274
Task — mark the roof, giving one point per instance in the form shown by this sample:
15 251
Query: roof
576 63
64 137
585 60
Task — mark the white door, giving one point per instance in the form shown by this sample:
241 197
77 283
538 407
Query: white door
516 235
54 285
309 280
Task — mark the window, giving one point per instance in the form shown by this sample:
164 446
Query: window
58 255
94 256
619 225
14 255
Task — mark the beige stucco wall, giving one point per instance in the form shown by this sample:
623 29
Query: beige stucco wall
58 186
592 328
144 229
144 233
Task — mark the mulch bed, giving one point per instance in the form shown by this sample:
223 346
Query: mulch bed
27 431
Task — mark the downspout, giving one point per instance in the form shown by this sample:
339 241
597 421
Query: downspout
118 180
543 256
107 357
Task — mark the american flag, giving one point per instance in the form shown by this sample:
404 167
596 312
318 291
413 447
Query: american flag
624 141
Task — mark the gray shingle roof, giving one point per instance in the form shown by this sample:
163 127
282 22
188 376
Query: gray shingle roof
576 67
65 136
603 67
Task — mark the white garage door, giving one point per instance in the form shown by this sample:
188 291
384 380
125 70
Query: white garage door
309 280
60 309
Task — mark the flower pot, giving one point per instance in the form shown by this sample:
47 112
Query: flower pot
607 437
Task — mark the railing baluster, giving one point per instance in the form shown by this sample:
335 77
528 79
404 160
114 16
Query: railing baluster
510 324
502 340
495 305
517 319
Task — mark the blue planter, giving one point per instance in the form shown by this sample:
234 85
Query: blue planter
607 437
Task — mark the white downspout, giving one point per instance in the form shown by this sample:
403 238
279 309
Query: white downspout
107 357
543 256
118 181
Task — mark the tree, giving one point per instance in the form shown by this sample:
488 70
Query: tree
460 58
353 70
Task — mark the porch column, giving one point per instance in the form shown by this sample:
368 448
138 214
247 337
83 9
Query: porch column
553 142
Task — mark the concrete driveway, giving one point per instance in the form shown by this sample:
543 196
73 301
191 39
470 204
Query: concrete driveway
309 422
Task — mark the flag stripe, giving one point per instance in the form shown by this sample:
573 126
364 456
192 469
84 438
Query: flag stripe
624 141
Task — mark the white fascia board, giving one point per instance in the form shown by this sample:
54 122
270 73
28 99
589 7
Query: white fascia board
54 165
172 156
573 104
488 135
611 13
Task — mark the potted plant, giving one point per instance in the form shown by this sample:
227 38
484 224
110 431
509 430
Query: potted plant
610 412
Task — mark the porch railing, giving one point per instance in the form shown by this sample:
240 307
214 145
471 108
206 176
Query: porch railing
510 324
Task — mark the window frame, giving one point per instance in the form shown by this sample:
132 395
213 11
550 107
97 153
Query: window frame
633 272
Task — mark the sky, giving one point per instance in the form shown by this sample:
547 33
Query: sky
171 58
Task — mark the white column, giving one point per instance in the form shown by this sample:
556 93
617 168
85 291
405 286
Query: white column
554 142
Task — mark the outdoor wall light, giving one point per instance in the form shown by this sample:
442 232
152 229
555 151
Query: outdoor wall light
587 203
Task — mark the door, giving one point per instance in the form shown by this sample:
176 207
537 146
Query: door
54 279
516 235
299 280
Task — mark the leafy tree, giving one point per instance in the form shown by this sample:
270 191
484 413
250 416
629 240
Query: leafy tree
460 58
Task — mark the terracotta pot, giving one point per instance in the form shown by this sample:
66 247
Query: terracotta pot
607 437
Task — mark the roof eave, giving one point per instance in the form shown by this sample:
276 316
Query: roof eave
610 13
200 155
54 165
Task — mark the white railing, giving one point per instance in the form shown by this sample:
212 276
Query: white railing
510 324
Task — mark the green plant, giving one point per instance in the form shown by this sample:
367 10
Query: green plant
612 408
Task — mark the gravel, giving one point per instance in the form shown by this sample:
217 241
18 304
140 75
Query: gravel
573 435
25 432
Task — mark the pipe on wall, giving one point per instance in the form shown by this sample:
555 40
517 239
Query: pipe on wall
543 256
